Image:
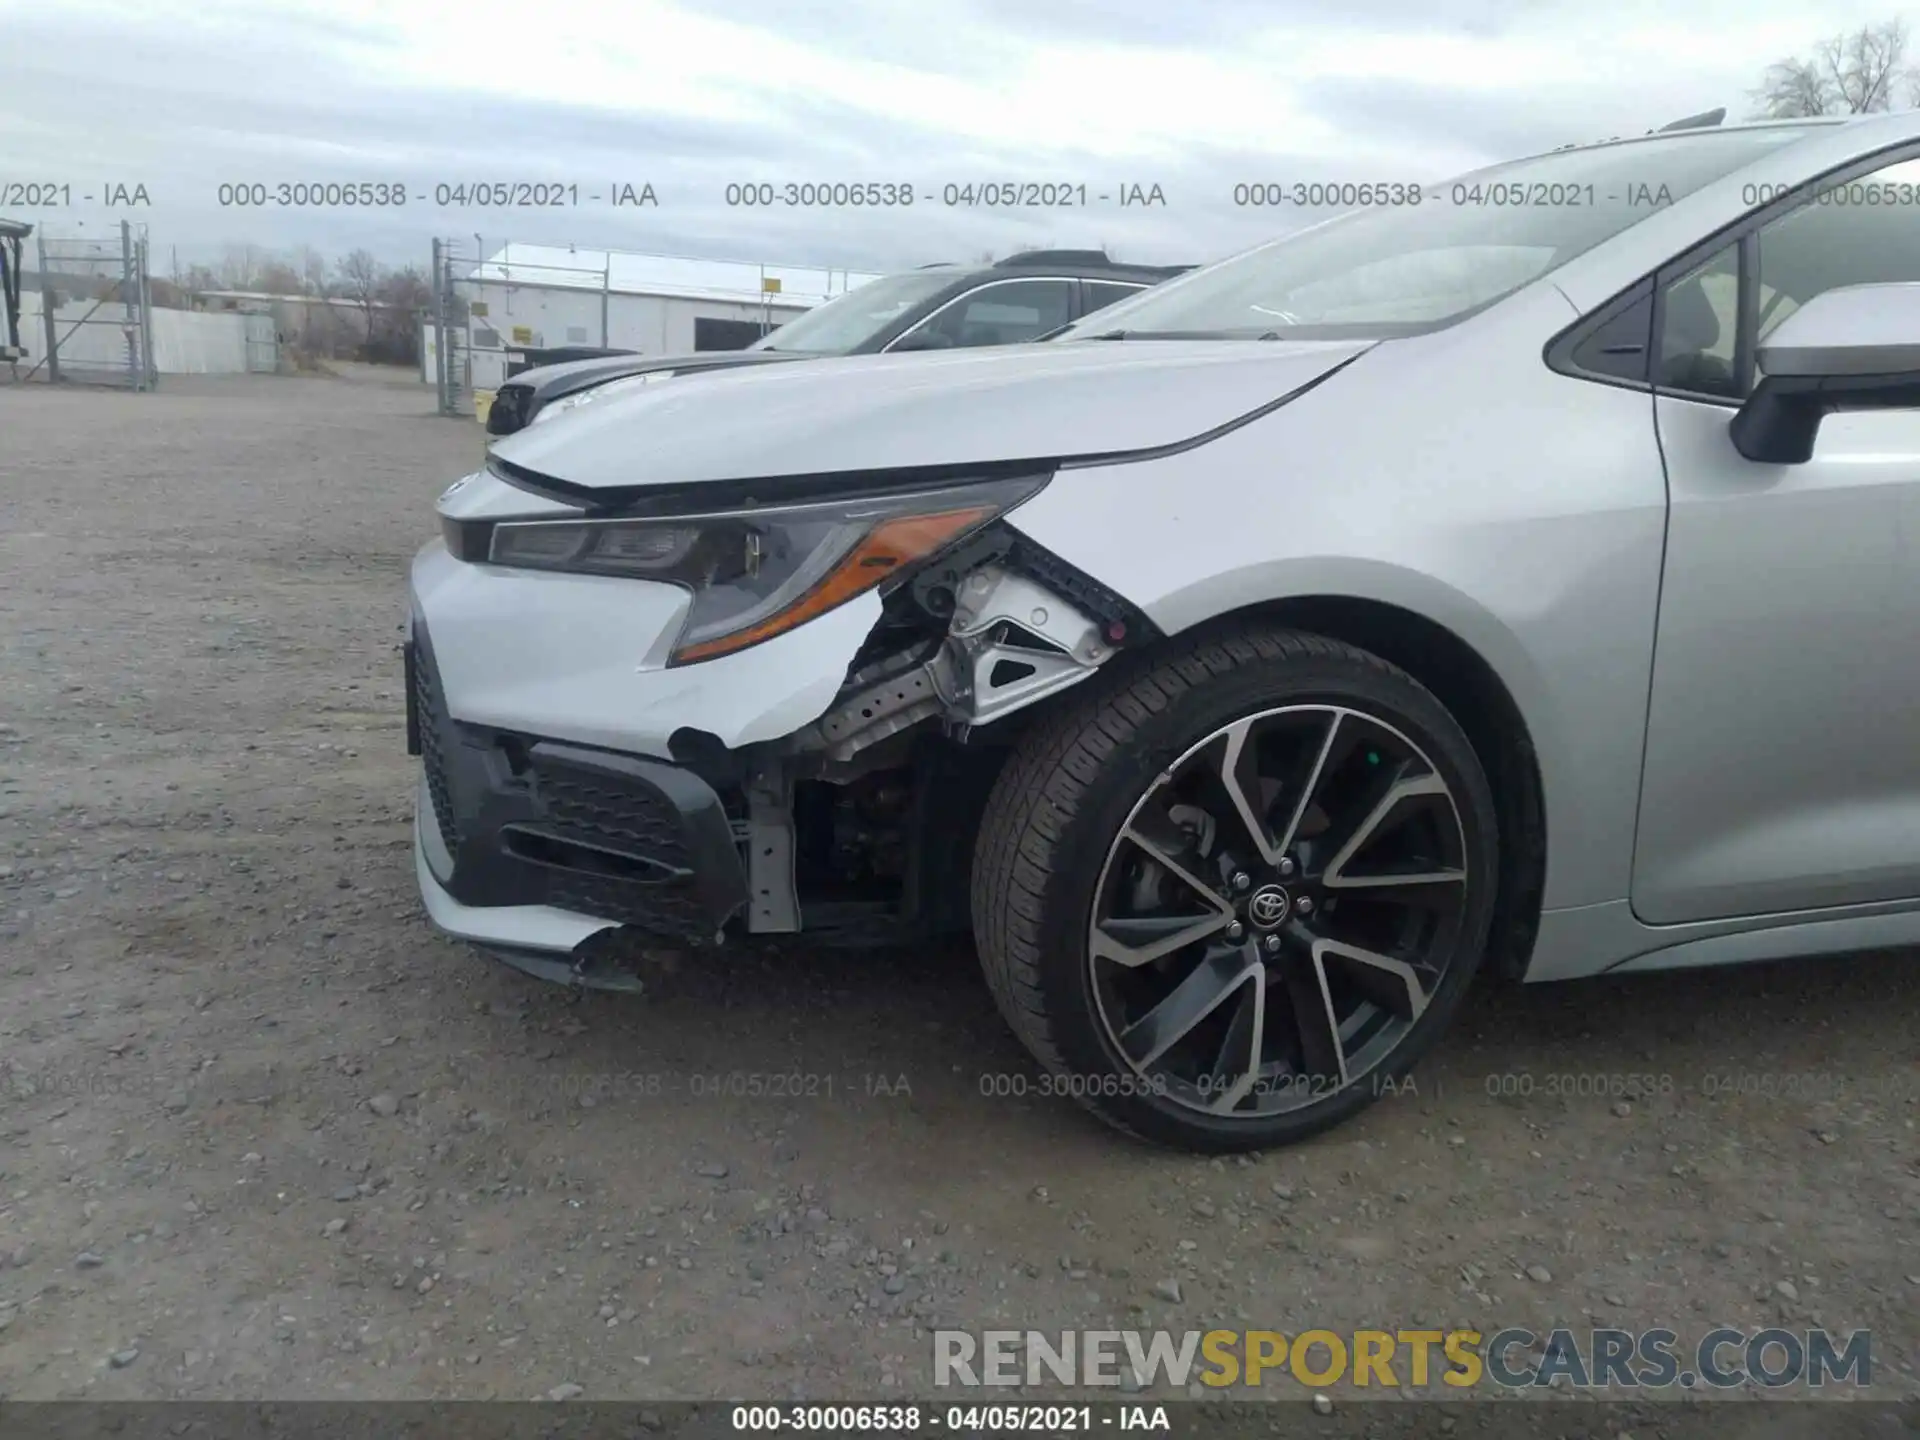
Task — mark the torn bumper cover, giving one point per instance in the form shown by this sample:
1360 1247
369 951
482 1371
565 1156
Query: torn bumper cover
574 784
528 844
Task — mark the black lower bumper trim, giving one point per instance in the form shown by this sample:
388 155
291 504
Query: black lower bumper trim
531 821
685 873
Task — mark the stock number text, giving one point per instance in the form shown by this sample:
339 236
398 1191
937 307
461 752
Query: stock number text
1859 194
318 194
1271 194
822 195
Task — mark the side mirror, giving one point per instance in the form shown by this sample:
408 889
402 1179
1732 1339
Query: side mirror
923 340
1855 348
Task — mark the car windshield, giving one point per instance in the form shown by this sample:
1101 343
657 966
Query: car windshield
846 321
1407 268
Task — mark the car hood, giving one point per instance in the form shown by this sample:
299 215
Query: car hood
551 382
921 411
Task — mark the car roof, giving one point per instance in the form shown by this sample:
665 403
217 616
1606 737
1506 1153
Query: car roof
1830 125
1668 135
1071 264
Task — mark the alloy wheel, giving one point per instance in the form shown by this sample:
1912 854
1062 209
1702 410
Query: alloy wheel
1277 911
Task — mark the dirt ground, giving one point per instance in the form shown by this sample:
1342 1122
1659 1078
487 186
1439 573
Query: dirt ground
263 1134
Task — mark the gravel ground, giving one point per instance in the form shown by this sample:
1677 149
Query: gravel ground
264 1135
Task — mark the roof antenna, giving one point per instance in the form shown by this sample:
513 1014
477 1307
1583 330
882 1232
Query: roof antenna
1705 120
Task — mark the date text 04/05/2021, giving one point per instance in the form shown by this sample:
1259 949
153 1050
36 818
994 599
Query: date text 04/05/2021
904 1420
970 194
731 1084
444 195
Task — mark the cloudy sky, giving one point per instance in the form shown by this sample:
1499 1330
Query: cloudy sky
1193 96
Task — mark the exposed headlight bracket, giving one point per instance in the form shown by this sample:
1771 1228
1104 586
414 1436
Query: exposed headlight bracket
1013 642
1010 642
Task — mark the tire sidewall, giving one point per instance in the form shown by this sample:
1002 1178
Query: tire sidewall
1196 711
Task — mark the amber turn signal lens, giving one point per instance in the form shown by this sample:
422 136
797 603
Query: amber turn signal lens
889 547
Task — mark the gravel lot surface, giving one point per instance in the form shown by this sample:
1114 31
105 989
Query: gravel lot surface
263 1134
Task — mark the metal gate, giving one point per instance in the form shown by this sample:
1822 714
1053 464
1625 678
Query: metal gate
96 310
263 345
13 236
451 339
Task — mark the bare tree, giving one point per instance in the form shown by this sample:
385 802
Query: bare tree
404 298
313 269
276 277
1851 74
358 275
405 290
1868 65
240 267
1794 88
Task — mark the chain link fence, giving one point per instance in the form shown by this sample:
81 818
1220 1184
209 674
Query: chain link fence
447 348
95 310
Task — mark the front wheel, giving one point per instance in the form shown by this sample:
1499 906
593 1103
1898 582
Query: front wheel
1229 896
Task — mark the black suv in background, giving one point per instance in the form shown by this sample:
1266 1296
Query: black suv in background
936 307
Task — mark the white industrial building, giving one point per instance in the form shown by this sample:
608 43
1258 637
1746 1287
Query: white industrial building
547 297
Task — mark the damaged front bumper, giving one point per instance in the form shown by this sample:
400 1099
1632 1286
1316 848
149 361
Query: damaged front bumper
573 786
535 844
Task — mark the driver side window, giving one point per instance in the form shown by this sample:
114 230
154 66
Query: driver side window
1864 231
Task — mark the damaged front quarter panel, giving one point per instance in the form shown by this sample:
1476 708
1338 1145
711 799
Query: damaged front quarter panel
1010 640
984 633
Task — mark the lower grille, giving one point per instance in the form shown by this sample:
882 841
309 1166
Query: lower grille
657 859
631 819
433 759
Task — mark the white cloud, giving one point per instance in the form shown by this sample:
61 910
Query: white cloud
698 93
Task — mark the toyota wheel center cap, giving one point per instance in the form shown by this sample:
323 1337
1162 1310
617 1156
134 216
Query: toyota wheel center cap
1268 906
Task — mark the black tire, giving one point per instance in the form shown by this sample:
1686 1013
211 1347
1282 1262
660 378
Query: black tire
1075 779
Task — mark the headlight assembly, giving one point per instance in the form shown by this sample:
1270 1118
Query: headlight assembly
759 572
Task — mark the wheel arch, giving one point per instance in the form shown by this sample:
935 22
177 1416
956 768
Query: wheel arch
1453 644
1477 696
1473 690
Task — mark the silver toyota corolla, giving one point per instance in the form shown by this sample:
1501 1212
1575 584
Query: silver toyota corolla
1522 573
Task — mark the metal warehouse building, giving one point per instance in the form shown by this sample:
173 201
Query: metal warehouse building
547 297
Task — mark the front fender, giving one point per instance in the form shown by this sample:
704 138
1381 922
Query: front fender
1420 477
